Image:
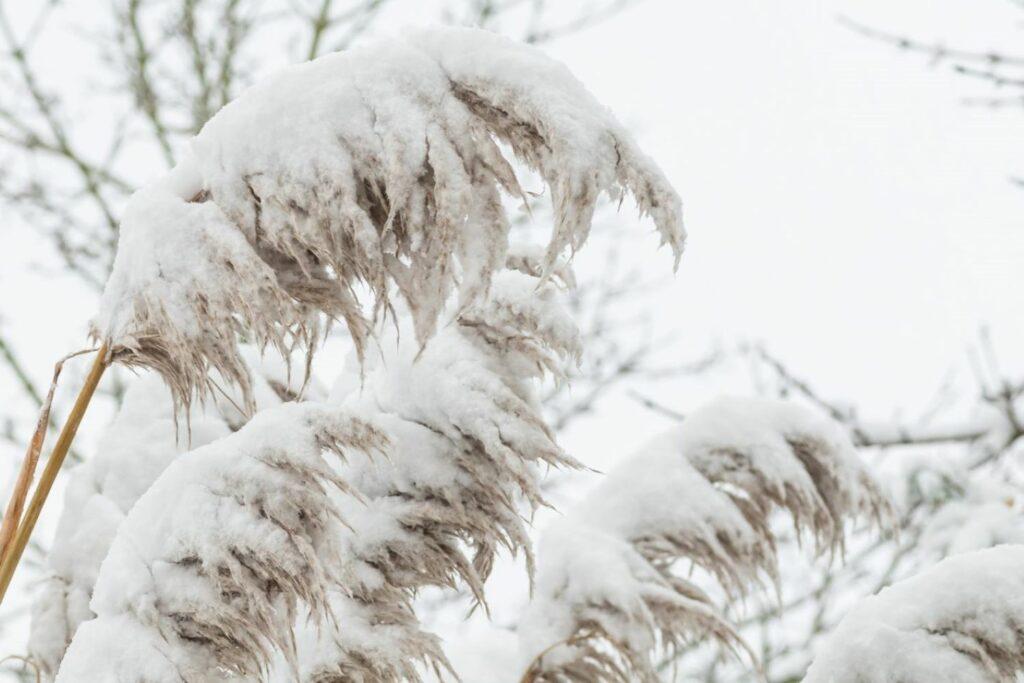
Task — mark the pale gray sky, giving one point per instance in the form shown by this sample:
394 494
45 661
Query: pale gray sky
843 206
841 203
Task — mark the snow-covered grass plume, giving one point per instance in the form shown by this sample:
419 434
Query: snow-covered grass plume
143 440
208 570
372 168
960 621
608 597
467 436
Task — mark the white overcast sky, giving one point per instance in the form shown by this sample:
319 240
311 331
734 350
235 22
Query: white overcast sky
843 206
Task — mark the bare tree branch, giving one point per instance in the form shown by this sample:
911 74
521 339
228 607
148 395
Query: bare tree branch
538 34
44 108
937 51
138 56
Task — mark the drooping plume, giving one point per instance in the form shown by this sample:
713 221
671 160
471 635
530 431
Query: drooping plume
316 195
961 621
211 567
607 595
366 170
257 534
142 441
467 436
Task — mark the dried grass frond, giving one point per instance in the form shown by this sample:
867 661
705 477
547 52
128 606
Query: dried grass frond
776 454
377 169
186 287
961 620
704 494
379 639
374 168
139 444
212 563
618 609
467 436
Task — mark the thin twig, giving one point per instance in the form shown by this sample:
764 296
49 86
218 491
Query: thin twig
145 92
655 406
937 51
43 106
7 353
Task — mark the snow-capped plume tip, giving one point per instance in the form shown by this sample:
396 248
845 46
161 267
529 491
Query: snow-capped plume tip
467 436
376 167
607 597
139 444
961 621
234 559
209 569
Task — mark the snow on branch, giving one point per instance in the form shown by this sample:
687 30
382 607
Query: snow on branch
960 621
208 570
372 168
607 594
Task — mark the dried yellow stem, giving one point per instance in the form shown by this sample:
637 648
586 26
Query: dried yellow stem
12 515
53 465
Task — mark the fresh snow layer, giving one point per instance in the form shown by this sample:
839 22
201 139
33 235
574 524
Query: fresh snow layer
960 621
145 437
607 596
242 541
376 168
